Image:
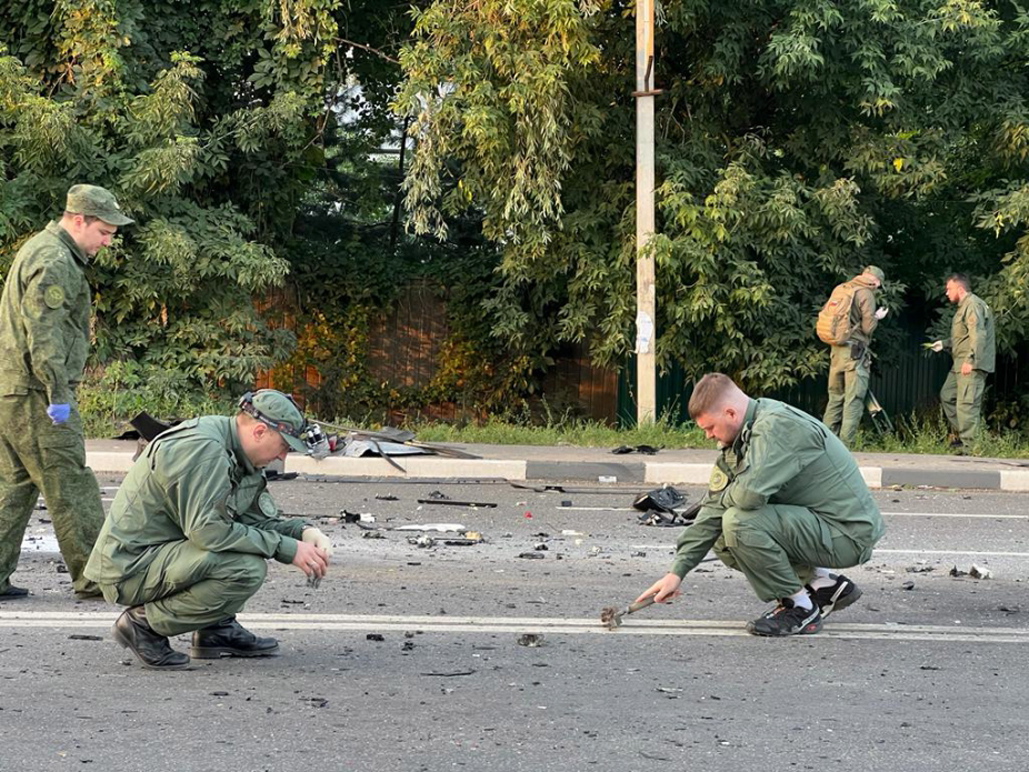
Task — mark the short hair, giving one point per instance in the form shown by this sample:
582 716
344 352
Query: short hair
89 219
709 393
962 279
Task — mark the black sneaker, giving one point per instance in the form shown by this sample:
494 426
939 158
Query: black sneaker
787 619
835 597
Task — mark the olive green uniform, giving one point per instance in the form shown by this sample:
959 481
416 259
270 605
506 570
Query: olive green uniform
190 530
849 365
785 498
44 342
971 340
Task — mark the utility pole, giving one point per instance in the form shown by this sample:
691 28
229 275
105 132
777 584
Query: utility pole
646 300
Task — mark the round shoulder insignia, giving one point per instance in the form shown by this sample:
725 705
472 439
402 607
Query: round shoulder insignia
53 296
267 505
718 481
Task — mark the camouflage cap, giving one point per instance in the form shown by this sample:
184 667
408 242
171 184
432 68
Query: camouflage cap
94 201
875 271
278 411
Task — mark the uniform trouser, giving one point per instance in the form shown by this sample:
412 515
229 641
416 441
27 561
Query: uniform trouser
962 400
848 385
39 456
186 588
778 547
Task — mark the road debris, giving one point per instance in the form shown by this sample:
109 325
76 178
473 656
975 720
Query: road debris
977 572
532 555
452 503
440 527
665 507
532 640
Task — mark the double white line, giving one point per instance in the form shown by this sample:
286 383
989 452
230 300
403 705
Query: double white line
359 623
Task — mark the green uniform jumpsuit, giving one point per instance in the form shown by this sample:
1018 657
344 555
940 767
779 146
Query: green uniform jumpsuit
971 340
848 375
44 342
786 497
191 529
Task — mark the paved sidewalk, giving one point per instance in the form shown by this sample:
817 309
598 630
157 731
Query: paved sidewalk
598 465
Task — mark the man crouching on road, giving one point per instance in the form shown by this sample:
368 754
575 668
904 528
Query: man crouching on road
187 537
785 503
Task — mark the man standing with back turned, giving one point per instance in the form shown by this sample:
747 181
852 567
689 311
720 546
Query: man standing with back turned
850 359
785 503
44 342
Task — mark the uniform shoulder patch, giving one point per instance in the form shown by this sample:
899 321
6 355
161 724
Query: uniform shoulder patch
718 481
54 296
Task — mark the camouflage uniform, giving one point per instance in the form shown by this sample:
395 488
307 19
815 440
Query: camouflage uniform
971 340
786 497
190 530
44 342
849 366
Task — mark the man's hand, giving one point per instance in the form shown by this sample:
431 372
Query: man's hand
966 368
663 590
880 313
936 346
313 536
311 560
59 414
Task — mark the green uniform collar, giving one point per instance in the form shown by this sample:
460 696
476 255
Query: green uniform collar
54 228
237 448
743 438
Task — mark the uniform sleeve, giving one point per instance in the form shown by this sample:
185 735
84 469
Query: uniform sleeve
776 454
865 301
696 540
45 310
265 516
976 325
201 503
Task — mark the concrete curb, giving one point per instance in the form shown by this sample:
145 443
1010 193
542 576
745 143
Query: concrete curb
557 470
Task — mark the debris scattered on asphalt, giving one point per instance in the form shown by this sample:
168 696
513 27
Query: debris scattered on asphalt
920 569
665 507
1009 609
908 586
372 535
422 541
955 571
386 497
81 637
453 674
977 572
452 503
532 640
377 637
532 555
313 580
540 546
647 450
441 527
346 516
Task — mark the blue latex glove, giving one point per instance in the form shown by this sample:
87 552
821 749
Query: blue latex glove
59 413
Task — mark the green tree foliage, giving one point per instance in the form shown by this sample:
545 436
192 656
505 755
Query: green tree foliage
206 118
797 140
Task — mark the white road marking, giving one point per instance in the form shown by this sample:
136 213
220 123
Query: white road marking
878 551
972 516
551 625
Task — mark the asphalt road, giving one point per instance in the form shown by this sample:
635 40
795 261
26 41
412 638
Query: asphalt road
416 658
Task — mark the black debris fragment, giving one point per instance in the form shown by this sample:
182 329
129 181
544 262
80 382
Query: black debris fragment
81 637
375 637
532 640
532 555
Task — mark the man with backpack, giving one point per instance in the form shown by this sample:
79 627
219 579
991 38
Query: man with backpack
846 322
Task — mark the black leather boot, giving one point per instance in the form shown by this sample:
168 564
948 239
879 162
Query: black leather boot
229 638
151 648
